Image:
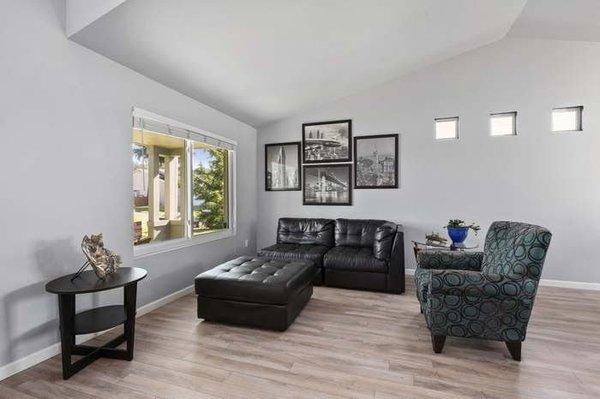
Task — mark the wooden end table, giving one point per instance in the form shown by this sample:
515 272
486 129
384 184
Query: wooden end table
96 319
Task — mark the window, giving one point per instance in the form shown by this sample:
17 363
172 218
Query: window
567 119
503 124
446 128
182 184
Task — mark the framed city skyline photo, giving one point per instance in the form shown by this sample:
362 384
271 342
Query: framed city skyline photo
327 142
327 184
282 166
376 161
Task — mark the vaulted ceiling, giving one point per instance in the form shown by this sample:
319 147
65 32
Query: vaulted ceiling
263 60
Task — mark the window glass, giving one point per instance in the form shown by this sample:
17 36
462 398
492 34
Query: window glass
446 128
504 124
566 119
209 188
158 187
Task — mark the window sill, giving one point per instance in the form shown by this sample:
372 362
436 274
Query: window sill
173 245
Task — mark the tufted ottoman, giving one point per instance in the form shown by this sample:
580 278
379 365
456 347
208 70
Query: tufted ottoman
255 292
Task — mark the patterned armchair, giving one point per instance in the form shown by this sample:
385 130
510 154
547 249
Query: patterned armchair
485 294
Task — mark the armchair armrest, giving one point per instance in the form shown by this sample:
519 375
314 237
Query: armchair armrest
455 260
473 284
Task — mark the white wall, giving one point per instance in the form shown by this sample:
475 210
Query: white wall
66 171
538 177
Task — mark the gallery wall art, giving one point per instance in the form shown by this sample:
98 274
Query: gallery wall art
327 184
326 142
376 161
282 166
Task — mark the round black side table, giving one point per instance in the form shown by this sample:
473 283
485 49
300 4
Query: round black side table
97 319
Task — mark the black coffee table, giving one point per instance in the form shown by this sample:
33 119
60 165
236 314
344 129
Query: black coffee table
97 319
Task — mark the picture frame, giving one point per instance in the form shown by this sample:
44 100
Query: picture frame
376 162
327 142
283 170
327 184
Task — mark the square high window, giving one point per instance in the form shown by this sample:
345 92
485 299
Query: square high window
503 124
446 128
567 119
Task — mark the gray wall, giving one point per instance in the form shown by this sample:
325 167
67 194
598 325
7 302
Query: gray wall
66 171
538 176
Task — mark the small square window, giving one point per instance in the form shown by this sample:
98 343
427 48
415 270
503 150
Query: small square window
567 119
446 128
503 124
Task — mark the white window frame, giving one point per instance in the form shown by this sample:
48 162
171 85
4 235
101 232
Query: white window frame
579 108
154 248
514 124
446 119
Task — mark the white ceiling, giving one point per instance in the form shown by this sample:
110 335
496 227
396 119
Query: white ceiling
262 60
559 19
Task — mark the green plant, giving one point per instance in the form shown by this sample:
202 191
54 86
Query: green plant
209 187
454 223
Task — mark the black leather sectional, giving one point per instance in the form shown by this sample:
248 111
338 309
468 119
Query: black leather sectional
349 253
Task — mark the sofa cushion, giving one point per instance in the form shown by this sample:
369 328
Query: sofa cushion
353 259
356 232
305 231
255 280
296 252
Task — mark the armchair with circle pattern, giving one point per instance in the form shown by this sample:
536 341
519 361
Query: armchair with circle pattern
485 294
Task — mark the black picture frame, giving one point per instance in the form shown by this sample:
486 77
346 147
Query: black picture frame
306 142
306 173
268 186
357 167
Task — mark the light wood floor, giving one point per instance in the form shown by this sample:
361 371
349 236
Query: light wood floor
344 344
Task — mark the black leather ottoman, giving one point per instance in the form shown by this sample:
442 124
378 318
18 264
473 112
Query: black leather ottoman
255 292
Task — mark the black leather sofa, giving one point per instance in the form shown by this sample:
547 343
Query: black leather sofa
349 253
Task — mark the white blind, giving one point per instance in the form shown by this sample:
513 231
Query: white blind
175 129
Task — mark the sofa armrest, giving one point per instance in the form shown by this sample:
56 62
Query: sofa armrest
384 241
395 275
454 260
473 284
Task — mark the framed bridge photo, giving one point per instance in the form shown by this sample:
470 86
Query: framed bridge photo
327 184
327 142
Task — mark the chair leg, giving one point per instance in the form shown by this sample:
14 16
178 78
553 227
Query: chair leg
515 350
438 342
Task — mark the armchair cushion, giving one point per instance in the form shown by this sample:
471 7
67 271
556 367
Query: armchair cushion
478 285
444 259
515 249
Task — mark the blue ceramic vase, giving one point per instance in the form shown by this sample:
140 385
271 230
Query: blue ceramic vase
458 234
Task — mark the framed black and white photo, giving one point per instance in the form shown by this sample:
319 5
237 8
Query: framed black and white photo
282 166
327 184
376 161
326 142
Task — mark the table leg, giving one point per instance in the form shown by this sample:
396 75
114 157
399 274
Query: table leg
66 311
130 293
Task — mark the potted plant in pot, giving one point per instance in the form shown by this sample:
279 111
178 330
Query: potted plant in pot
458 231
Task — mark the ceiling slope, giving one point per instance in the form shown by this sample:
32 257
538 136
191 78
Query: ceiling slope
559 19
263 60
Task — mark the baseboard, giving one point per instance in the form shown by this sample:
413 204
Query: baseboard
149 307
53 350
579 285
